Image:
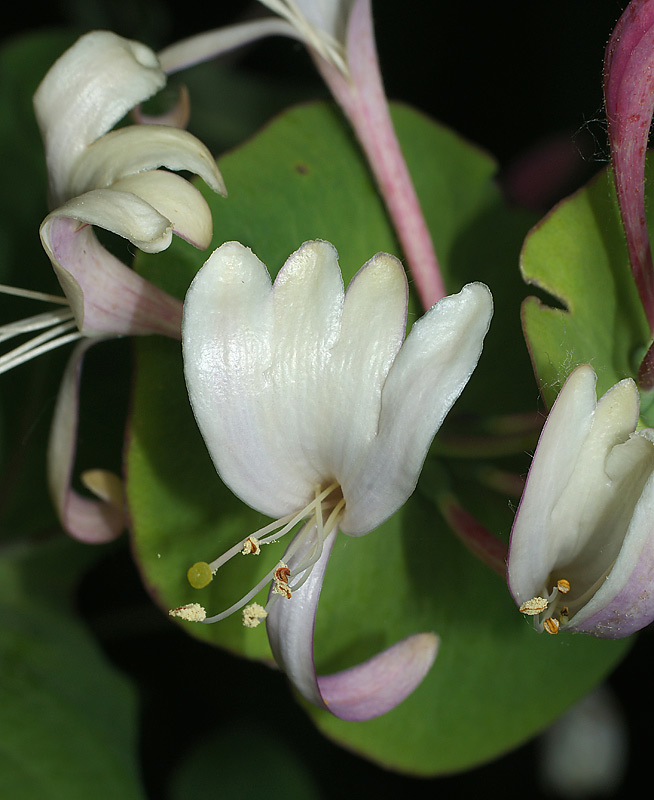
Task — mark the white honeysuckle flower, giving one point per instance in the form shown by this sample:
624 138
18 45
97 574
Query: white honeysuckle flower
315 409
581 556
109 178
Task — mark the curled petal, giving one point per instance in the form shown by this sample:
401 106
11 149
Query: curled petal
122 213
85 93
91 521
106 297
138 148
176 200
363 692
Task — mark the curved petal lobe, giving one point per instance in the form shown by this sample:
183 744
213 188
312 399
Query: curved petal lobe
91 521
363 692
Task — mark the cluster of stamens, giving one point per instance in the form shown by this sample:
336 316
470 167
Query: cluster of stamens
51 329
323 513
539 606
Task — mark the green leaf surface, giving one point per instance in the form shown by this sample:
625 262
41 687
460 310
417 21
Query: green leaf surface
578 254
303 177
68 719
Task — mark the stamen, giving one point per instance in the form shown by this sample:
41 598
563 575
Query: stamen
563 585
533 607
56 337
201 574
59 322
251 546
32 295
253 615
551 625
191 612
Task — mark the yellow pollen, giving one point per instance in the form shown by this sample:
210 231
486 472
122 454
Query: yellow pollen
563 585
200 575
251 546
551 625
253 615
534 606
193 612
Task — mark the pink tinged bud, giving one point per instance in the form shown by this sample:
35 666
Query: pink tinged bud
629 98
581 555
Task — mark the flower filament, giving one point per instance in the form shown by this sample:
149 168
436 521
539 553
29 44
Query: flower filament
57 327
321 515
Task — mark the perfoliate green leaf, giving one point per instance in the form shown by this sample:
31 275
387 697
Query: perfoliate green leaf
303 177
578 255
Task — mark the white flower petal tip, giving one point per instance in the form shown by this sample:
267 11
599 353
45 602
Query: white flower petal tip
315 409
581 556
378 685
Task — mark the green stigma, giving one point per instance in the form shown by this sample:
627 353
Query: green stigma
200 575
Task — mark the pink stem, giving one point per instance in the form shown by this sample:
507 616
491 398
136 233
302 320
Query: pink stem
480 542
364 103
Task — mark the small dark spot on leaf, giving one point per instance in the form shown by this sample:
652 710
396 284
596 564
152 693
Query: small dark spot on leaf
302 169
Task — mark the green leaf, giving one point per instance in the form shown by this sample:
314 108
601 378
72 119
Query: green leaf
578 255
68 721
491 687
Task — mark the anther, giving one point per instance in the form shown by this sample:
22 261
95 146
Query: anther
563 585
551 625
282 574
253 615
251 546
534 606
565 611
200 575
193 612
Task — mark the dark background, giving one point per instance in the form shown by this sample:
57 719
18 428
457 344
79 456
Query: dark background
506 79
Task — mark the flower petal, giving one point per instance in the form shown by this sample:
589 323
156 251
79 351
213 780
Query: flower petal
91 521
176 200
362 692
560 443
254 357
274 374
122 213
138 148
584 482
429 373
106 297
378 685
85 93
372 329
211 44
624 602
